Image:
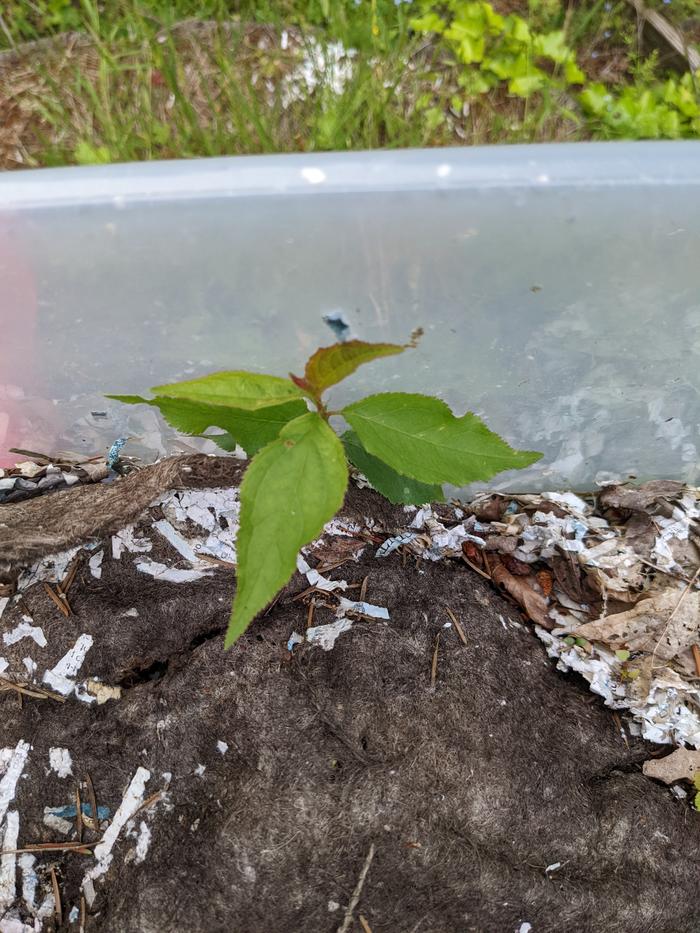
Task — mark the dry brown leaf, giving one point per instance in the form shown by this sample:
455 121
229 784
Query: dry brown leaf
680 765
336 548
646 627
522 592
638 498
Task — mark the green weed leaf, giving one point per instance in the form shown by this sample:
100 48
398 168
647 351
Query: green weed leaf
430 22
235 389
420 437
290 490
330 365
251 429
552 45
399 489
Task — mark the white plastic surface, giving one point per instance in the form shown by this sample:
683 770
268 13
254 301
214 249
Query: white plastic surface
559 288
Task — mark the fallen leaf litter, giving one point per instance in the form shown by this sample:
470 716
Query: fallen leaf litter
610 581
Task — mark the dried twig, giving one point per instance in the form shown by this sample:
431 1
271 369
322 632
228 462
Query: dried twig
59 599
347 919
154 798
476 569
457 625
363 589
58 910
696 658
69 577
78 815
229 565
30 690
93 801
366 928
433 666
310 613
81 847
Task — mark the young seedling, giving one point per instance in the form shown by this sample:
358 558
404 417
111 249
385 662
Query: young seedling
407 445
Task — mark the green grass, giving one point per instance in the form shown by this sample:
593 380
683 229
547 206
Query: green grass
183 79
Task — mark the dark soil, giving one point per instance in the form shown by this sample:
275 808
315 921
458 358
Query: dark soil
468 790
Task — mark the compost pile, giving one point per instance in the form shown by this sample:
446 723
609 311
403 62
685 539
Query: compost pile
108 635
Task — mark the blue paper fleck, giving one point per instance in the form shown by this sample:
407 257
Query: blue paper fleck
70 811
114 452
337 322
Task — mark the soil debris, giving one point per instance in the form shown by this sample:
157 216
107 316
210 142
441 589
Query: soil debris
491 793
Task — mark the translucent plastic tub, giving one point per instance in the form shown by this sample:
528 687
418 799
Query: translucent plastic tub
559 288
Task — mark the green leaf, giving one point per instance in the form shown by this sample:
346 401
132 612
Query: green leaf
399 489
420 437
225 441
573 73
552 45
526 85
236 389
596 99
251 429
290 490
430 22
87 154
330 365
622 655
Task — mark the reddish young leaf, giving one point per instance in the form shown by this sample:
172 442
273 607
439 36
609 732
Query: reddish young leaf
330 365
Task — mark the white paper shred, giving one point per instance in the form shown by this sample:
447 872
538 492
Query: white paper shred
25 630
4 600
61 762
57 823
8 862
341 528
60 677
5 758
315 578
51 569
294 639
222 747
142 843
132 800
325 635
178 542
665 715
13 770
170 574
95 564
27 861
126 540
393 544
362 608
214 510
